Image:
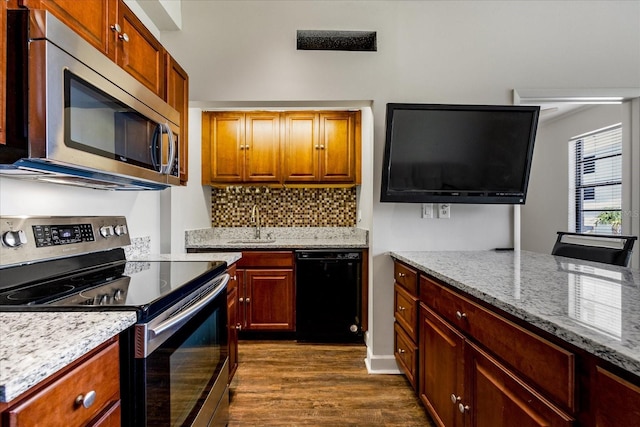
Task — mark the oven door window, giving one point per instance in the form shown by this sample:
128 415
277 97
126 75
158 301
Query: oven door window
180 374
97 123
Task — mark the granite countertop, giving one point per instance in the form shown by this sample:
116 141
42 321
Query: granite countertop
228 257
35 345
277 238
593 306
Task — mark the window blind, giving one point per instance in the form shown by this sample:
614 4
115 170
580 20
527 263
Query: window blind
596 181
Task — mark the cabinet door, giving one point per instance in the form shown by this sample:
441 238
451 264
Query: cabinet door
92 19
441 369
139 52
3 71
617 402
301 151
177 92
270 299
222 147
497 398
262 147
337 147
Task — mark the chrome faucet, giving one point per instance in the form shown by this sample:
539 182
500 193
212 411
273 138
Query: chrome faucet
255 217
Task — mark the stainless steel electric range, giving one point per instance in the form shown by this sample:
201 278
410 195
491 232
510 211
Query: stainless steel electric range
174 360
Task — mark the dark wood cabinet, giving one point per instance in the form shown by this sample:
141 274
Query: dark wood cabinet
266 291
3 70
616 400
58 400
177 95
111 27
405 314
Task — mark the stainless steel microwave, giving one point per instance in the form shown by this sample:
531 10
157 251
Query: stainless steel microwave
75 117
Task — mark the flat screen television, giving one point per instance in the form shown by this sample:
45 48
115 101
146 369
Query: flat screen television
437 153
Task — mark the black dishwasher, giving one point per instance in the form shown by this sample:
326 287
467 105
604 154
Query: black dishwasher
328 296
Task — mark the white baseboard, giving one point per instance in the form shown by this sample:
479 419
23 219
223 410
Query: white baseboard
381 364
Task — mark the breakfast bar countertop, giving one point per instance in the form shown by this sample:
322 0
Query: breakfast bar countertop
593 306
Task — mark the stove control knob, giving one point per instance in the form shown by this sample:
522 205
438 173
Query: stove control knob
118 296
106 231
13 239
104 299
120 229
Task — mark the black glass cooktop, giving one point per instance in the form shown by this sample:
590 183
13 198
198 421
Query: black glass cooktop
145 286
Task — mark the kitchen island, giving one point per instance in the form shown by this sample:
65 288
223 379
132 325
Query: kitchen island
505 336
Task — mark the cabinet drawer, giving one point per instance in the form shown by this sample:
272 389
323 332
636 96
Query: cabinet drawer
406 353
406 311
406 277
266 259
56 403
546 365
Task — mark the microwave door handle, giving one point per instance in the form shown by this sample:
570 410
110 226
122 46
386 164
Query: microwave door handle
172 150
153 148
183 317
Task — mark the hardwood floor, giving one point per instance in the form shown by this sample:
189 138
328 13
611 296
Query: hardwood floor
285 383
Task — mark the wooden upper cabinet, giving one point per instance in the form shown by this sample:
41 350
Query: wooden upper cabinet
262 147
240 147
300 151
139 52
92 19
3 71
116 31
320 147
223 136
177 92
337 147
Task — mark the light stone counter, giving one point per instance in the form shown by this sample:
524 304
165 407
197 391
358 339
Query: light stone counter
230 238
228 257
35 345
593 306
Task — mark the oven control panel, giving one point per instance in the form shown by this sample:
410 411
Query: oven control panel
29 239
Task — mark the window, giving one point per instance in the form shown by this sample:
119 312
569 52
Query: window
595 181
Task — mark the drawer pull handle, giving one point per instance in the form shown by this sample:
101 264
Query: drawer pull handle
401 308
401 275
86 400
461 315
400 351
463 408
455 399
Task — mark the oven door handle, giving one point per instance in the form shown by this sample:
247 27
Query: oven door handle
187 314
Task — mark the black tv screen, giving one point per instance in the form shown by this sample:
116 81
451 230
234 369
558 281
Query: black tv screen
437 153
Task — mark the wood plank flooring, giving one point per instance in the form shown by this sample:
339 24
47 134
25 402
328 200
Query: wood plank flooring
285 383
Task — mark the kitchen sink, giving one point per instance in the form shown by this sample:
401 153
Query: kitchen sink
252 241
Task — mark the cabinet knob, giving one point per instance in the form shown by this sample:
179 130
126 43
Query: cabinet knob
401 275
461 315
86 400
124 37
234 278
240 299
317 147
247 300
463 408
116 28
238 326
401 351
455 399
401 308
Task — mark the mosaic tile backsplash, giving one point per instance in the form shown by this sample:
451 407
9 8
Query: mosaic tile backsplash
284 207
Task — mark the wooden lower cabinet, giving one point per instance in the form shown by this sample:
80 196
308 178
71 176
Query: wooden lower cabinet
61 400
616 400
463 385
266 291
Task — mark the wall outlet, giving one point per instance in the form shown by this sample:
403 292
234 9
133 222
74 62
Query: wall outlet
427 210
444 210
